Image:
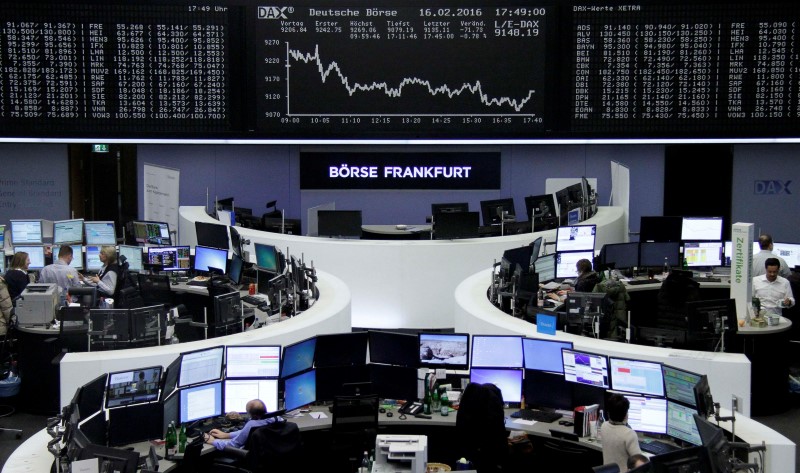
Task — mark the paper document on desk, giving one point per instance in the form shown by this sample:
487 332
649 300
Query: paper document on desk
522 421
318 415
551 286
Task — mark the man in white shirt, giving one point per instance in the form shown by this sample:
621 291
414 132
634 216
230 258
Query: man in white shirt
773 290
765 243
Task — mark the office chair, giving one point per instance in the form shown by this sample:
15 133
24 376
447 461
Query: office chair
480 426
274 447
354 427
155 288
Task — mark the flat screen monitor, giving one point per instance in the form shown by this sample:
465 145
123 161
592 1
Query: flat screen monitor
679 384
235 269
239 391
493 211
585 368
133 386
449 208
703 254
543 389
111 459
508 380
637 376
200 402
253 362
541 210
133 256
35 253
576 238
583 303
394 382
171 378
110 325
496 351
266 257
341 349
68 231
653 254
545 267
647 414
574 216
620 255
214 235
77 255
711 318
393 348
703 398
444 350
149 323
2 236
339 223
26 232
92 256
201 366
335 381
728 252
90 397
171 258
100 233
171 412
701 228
455 226
206 257
790 252
518 256
86 296
544 355
132 424
300 390
566 263
681 424
151 233
660 228
298 357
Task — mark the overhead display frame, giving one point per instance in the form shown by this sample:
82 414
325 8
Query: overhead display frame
392 71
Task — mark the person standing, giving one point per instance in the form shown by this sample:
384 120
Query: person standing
766 245
620 442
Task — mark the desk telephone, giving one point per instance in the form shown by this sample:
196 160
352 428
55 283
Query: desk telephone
411 408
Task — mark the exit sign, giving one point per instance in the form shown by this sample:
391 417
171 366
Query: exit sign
99 148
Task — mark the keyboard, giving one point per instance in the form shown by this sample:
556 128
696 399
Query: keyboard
699 279
656 447
537 415
639 282
253 300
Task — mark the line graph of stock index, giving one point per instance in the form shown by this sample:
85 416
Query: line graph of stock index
396 70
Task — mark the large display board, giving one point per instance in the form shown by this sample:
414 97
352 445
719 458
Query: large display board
399 69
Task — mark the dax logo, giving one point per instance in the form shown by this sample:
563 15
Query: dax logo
273 13
772 187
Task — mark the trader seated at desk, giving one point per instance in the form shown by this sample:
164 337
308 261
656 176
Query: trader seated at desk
106 279
585 281
60 272
774 291
257 411
620 442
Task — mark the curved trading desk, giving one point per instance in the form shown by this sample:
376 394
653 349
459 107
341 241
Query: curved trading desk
402 284
728 373
330 314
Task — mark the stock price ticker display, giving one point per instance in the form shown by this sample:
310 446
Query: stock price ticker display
442 70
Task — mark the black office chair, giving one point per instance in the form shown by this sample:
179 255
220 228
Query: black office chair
155 288
354 425
274 447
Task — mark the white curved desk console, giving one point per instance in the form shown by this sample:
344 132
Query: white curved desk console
330 314
403 284
728 373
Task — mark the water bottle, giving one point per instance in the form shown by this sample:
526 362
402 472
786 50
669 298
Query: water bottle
435 403
599 424
445 401
182 439
365 463
171 442
666 266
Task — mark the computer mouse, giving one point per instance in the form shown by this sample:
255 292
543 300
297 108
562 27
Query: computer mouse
174 283
382 410
389 414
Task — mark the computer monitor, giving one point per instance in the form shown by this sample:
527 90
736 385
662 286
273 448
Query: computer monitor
68 231
455 226
653 254
728 252
703 254
543 389
660 228
35 253
238 392
679 384
267 257
26 232
149 323
569 198
701 228
544 355
576 238
647 414
702 397
545 267
393 348
681 424
133 256
2 236
348 380
100 233
171 378
200 402
508 380
92 256
300 390
494 211
584 303
790 252
86 296
151 233
171 258
91 395
394 382
110 325
77 255
620 255
444 350
636 376
133 386
566 263
715 443
585 368
298 357
496 351
711 318
517 256
206 257
574 216
339 223
117 460
341 349
449 208
235 268
213 235
135 423
201 366
542 212
257 361
692 459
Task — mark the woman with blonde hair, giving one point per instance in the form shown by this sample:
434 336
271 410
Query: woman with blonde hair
17 275
106 280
